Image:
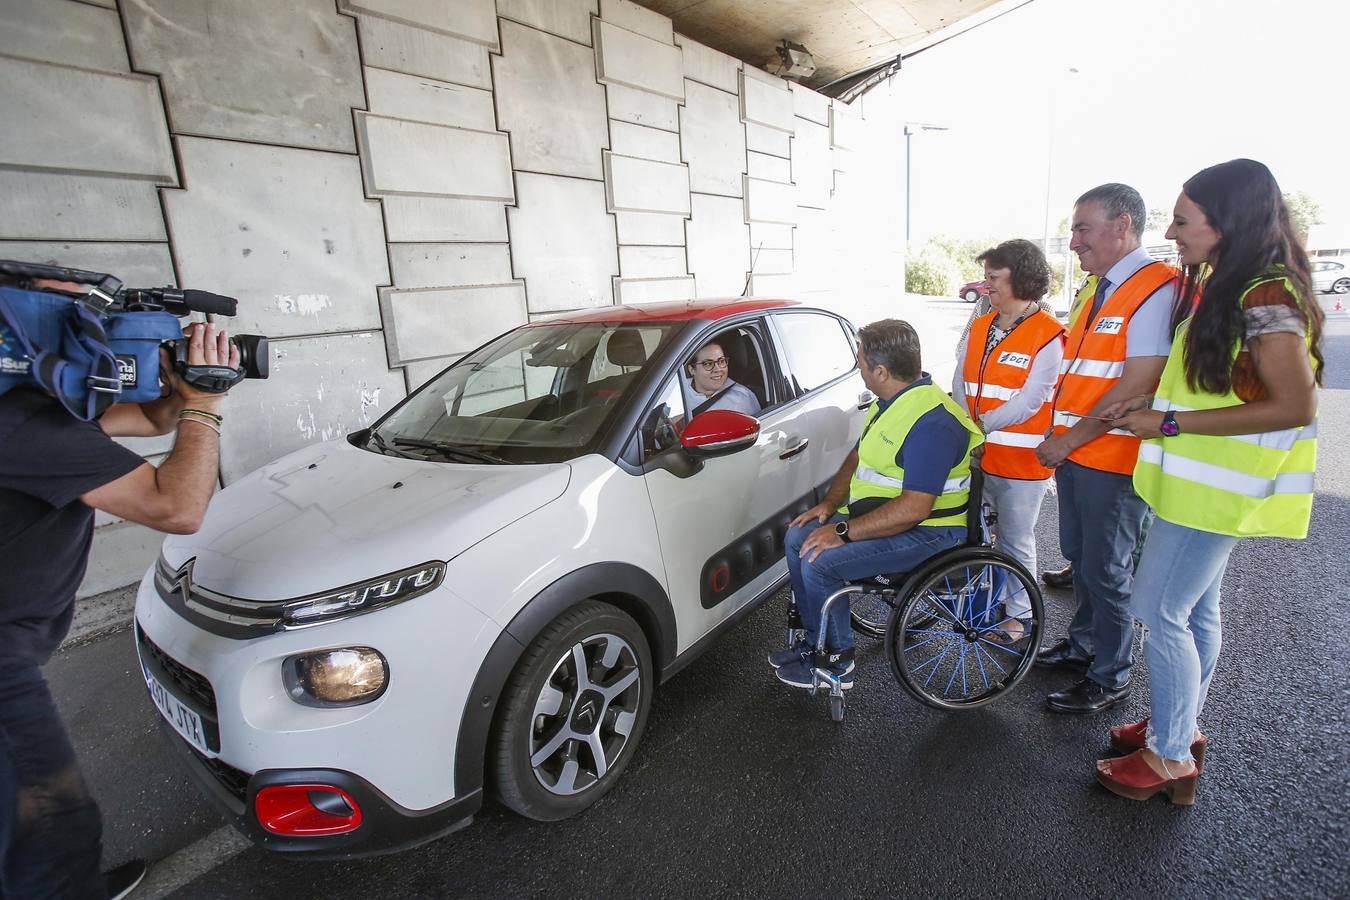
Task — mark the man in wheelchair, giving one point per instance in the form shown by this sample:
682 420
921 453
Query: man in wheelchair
907 489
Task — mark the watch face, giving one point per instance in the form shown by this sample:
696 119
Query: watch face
841 528
1169 426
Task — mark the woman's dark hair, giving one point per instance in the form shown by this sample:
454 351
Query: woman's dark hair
1024 260
1242 202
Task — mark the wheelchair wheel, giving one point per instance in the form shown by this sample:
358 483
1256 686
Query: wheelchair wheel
870 612
952 642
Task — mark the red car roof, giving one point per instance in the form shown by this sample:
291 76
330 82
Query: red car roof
674 311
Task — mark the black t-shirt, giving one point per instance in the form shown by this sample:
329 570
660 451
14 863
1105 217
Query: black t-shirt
48 459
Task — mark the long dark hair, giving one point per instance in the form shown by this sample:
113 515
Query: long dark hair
1242 202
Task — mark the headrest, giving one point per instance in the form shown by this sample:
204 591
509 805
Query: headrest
625 348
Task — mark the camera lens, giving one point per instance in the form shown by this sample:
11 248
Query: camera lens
253 354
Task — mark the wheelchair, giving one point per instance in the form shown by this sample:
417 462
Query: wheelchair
949 639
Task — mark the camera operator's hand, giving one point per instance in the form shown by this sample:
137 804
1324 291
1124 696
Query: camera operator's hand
206 347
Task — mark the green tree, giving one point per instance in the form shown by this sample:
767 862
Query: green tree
1304 212
1158 220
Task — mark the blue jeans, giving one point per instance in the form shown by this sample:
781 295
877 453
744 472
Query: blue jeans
1177 597
812 582
1099 520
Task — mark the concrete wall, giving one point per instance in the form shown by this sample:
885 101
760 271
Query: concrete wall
385 184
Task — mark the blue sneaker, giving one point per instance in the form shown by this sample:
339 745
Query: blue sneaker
799 674
798 651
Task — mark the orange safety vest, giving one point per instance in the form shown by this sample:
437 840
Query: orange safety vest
993 380
1094 360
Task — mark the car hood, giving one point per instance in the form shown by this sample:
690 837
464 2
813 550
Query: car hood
331 515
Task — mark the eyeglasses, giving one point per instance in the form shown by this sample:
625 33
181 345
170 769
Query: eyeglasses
712 365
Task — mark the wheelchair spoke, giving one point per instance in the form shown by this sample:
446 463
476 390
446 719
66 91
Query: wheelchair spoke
937 659
991 658
983 675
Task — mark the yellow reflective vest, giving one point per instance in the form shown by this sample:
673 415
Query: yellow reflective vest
879 475
1247 485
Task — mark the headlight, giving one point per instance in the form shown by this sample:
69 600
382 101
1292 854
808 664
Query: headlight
356 598
345 677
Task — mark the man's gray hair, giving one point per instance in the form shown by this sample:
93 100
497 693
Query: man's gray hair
1118 200
893 344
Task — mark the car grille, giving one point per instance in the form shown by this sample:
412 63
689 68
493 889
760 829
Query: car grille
233 780
186 681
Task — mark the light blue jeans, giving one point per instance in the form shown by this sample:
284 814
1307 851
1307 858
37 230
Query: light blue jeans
1176 596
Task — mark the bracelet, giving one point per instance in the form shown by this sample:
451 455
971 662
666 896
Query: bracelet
201 412
201 422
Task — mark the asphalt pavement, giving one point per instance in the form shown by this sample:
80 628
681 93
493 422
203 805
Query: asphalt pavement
743 787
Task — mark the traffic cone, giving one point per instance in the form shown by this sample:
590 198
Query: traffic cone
1339 307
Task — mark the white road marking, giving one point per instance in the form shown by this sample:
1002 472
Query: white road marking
192 862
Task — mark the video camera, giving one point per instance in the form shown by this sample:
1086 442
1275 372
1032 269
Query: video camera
91 350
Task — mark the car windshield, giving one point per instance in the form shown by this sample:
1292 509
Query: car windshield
541 393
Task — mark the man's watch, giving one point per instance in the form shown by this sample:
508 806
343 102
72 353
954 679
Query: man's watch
1169 426
841 529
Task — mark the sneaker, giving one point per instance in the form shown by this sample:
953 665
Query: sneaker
791 654
124 879
799 674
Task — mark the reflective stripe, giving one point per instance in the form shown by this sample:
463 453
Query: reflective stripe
1225 479
872 476
1283 439
956 484
991 391
1092 368
1068 420
1013 439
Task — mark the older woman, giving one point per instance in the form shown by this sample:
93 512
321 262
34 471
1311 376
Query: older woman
1008 374
1230 451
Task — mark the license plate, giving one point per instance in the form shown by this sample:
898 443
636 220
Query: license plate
176 713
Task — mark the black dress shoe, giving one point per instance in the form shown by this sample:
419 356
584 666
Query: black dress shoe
1087 696
1060 579
1060 655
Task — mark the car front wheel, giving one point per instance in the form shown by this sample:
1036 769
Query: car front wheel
1341 286
573 712
972 296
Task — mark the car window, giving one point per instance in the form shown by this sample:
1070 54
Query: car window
817 348
664 421
741 348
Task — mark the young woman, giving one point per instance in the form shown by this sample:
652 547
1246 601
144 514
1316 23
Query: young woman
1008 373
1231 451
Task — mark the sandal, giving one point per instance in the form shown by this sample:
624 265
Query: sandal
1133 778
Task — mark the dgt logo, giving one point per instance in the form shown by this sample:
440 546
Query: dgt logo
126 370
1109 325
1009 358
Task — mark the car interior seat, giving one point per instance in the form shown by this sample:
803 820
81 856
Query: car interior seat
743 362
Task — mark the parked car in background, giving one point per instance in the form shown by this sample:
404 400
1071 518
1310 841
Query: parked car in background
481 591
1331 275
972 291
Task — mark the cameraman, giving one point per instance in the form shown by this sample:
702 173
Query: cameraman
55 470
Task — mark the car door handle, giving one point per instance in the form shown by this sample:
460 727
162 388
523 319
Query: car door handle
865 399
794 449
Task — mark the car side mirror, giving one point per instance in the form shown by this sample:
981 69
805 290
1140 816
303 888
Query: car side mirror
719 431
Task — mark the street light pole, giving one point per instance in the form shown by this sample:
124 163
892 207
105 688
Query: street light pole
911 128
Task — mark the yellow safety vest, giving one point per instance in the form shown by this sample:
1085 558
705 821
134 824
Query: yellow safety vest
1247 485
879 475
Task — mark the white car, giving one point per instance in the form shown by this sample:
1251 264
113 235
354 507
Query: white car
1331 275
486 586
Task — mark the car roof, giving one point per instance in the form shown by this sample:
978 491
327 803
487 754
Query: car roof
674 311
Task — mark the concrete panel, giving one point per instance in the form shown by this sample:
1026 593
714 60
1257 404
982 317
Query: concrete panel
66 33
770 237
423 99
472 20
765 103
712 140
421 371
634 60
642 108
566 18
400 157
770 168
109 124
549 102
428 324
321 388
844 126
627 139
40 205
769 201
627 14
652 262
653 290
562 242
809 105
767 140
643 185
418 219
298 87
649 228
708 66
286 231
812 164
779 287
138 265
771 262
719 249
415 51
120 555
438 265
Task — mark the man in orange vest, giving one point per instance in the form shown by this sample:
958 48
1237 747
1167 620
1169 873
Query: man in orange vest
1116 349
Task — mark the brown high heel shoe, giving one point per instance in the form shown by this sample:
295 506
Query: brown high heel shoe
1133 778
1132 737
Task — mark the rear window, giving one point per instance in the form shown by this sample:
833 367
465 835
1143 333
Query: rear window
818 350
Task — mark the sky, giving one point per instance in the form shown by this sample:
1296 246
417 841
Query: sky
1163 89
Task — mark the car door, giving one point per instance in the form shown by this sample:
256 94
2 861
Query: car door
721 520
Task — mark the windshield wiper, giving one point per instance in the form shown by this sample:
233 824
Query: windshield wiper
450 450
383 447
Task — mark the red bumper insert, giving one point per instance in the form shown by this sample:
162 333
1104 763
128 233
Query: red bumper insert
305 810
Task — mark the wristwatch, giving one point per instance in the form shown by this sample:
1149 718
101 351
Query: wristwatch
841 529
1169 426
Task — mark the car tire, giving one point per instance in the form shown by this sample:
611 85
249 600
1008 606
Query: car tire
971 296
561 744
1341 286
